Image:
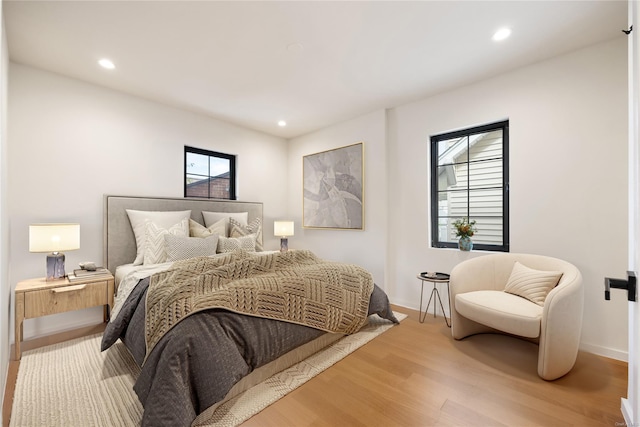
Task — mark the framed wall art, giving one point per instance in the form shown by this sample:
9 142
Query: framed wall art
333 188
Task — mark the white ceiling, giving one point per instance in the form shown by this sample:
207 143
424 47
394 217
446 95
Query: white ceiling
312 64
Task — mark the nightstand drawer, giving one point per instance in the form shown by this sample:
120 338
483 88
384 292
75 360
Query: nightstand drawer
65 298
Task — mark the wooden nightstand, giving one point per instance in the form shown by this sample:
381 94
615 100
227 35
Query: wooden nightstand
37 297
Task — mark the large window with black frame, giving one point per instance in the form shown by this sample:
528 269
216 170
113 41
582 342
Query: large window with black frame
209 174
470 182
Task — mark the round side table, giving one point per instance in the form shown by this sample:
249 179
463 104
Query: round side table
435 279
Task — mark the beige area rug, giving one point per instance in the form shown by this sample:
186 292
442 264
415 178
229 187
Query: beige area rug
73 384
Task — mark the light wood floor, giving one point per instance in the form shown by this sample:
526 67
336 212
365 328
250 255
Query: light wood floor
417 375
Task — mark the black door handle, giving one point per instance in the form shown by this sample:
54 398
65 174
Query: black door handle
629 284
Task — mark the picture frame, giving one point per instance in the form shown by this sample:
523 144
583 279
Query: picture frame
333 188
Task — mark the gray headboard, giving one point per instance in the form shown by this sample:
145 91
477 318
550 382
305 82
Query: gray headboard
119 241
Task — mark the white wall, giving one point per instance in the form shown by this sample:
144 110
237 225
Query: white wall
568 182
5 287
366 248
71 142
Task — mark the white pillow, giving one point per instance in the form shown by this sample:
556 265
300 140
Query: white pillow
180 247
531 284
163 219
212 217
230 244
154 249
238 230
198 230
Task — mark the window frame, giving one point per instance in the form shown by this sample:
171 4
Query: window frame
216 154
435 215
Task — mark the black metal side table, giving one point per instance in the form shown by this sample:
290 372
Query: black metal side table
434 278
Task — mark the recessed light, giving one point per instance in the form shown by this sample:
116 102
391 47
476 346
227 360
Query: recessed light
106 63
501 34
282 123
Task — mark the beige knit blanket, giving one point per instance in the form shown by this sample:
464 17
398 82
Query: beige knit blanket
294 286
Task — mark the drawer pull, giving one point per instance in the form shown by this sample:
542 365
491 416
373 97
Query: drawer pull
68 289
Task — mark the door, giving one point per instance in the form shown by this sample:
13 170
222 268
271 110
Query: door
631 405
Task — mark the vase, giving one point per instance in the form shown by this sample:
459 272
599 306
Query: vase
465 243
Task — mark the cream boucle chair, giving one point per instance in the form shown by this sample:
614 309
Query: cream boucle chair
480 305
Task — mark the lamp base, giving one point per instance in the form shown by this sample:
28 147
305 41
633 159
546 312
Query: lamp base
284 244
55 266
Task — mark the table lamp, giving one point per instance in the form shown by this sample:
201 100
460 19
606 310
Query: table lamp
283 229
54 238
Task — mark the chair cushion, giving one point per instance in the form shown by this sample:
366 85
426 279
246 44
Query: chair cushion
501 310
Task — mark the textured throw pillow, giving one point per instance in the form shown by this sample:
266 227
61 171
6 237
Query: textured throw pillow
238 230
180 247
212 217
230 244
154 251
199 230
531 284
163 219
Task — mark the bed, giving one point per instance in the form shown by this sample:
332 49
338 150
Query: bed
205 328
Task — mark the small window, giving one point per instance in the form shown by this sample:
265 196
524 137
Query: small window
470 180
209 174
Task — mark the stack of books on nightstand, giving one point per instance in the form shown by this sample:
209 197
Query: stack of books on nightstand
98 273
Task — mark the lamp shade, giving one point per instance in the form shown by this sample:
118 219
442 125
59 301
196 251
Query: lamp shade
54 237
283 228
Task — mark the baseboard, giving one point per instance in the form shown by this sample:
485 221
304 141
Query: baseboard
416 307
611 353
79 330
626 412
59 323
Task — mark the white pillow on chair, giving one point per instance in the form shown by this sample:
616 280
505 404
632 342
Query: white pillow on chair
531 284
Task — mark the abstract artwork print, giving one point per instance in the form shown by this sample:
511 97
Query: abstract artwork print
333 188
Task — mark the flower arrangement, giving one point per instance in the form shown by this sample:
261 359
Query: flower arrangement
464 227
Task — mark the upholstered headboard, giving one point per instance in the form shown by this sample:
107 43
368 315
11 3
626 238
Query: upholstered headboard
119 240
